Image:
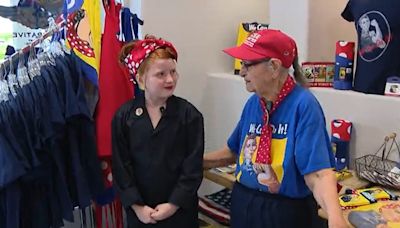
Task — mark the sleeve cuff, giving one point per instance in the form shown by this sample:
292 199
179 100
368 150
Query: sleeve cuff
130 196
182 199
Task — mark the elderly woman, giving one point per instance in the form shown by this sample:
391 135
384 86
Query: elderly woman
293 159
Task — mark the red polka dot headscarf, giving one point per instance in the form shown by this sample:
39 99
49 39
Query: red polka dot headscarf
142 49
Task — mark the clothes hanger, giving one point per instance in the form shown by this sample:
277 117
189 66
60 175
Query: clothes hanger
55 45
22 71
4 91
12 80
44 54
33 63
41 54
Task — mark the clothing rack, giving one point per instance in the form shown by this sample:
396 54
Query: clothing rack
53 27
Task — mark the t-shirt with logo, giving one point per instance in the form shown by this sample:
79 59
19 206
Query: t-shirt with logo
300 144
378 28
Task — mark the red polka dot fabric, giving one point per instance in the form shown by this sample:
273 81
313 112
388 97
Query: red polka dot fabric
345 49
142 50
106 169
75 41
341 129
264 149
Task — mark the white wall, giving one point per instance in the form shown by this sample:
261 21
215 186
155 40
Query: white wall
326 26
315 25
291 16
135 6
200 30
226 96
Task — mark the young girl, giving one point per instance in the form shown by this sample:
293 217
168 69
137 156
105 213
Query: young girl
158 142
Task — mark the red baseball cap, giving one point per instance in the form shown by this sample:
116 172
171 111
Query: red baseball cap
266 43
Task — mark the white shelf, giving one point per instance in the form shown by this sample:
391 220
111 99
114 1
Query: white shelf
352 93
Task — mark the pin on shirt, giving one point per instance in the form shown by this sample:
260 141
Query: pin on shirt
139 111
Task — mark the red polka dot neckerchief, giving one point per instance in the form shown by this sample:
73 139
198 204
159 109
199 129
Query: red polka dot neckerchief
264 148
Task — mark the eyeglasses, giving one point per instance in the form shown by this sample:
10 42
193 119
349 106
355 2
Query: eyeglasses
247 65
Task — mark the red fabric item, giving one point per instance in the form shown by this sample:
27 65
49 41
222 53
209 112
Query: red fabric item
264 150
345 49
115 88
106 169
112 212
341 129
142 50
266 43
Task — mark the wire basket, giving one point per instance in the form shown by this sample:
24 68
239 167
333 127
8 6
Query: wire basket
379 169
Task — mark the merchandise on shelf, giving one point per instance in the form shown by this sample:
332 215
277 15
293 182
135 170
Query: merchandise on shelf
392 87
318 74
344 61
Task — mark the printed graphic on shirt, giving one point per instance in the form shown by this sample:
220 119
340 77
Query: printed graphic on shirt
84 34
374 35
268 176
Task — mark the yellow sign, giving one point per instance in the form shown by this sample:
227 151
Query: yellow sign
243 32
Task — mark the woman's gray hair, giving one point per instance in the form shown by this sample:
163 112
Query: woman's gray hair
298 73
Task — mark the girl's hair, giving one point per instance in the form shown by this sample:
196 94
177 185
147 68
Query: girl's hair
161 53
298 73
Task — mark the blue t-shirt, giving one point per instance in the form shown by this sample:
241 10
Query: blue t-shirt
300 143
378 29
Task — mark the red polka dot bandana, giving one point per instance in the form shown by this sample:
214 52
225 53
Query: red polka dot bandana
264 149
142 49
341 129
74 40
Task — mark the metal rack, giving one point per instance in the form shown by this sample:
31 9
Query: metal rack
53 27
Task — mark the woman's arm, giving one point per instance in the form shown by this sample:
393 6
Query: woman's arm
323 184
218 158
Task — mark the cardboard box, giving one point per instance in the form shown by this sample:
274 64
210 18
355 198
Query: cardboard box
319 74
